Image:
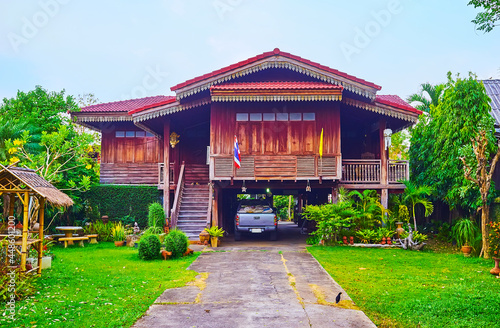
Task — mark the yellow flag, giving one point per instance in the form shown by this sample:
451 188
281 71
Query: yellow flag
321 144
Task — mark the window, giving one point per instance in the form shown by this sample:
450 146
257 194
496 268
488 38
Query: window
269 117
256 117
295 116
309 116
120 134
282 117
140 134
241 117
149 134
130 134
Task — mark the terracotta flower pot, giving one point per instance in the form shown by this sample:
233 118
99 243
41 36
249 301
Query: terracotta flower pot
344 240
496 269
466 250
119 243
383 241
351 240
399 229
389 241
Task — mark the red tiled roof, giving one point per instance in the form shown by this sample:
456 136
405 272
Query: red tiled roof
396 101
131 106
275 85
275 52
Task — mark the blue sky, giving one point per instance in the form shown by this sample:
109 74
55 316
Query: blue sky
128 49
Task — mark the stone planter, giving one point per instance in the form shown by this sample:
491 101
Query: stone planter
399 229
466 250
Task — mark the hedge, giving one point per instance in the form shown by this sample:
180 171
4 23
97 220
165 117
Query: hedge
117 201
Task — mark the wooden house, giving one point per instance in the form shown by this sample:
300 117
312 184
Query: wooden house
277 105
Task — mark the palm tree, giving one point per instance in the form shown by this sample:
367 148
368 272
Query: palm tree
429 95
414 195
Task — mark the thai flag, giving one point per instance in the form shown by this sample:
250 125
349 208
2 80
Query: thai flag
236 153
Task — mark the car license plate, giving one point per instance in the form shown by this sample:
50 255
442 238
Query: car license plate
256 230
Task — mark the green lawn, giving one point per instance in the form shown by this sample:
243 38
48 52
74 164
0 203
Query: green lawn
99 286
398 288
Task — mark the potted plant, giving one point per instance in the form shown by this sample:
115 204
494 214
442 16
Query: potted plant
118 232
464 231
215 233
494 241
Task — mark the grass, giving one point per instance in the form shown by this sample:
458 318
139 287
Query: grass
99 286
398 288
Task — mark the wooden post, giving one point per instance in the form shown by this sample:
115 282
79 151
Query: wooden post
383 153
166 168
384 198
12 204
215 214
40 234
24 246
335 195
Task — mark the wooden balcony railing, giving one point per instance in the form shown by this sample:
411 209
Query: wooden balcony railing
398 170
350 171
361 170
276 167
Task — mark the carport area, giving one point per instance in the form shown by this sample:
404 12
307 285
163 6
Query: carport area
293 232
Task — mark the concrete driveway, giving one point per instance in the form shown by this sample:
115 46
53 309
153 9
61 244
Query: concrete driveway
256 287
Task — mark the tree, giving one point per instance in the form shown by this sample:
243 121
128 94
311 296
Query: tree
437 141
400 144
414 195
486 20
480 172
36 130
429 95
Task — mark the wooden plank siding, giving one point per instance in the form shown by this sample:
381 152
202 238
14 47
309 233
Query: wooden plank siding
129 160
275 150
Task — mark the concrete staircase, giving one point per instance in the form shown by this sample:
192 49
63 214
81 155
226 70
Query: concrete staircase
192 217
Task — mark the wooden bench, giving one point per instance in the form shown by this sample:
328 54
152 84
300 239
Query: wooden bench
93 239
79 239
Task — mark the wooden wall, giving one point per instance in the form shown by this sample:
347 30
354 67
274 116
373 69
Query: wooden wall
275 137
129 160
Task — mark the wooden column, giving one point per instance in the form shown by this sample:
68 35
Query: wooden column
215 214
335 195
166 168
384 155
12 204
40 234
24 246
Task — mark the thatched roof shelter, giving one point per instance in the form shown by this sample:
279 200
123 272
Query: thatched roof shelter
32 191
16 178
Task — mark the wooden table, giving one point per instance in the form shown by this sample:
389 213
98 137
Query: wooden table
68 232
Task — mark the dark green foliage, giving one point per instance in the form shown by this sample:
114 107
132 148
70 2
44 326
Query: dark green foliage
439 140
281 203
156 215
488 18
149 247
176 242
120 201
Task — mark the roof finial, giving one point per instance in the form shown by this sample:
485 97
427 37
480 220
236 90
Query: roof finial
276 51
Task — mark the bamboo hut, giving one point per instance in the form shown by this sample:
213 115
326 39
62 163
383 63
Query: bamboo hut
32 193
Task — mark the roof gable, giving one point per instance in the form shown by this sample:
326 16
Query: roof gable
493 91
276 59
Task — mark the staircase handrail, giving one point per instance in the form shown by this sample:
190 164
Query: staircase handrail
177 198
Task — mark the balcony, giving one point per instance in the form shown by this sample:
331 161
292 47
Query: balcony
351 172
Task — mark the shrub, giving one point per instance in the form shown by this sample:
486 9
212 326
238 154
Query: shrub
118 232
118 201
105 231
156 215
149 247
176 242
25 285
